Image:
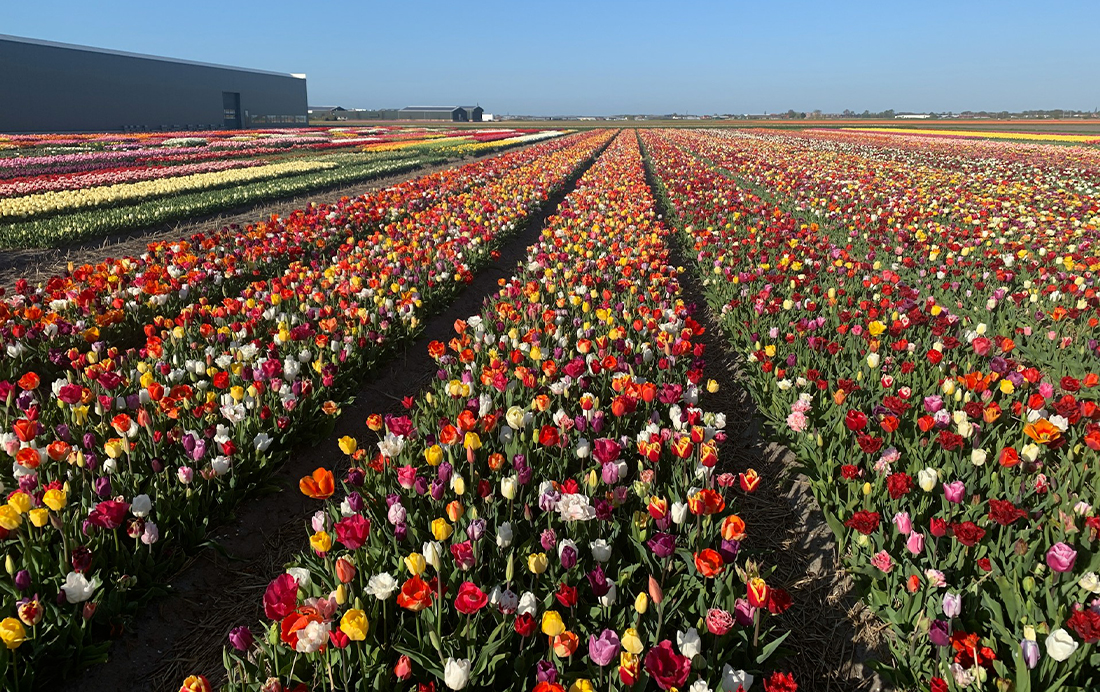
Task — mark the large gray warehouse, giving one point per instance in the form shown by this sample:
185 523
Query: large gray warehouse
58 87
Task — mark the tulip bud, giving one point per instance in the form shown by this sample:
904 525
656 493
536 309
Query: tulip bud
9 564
345 570
509 571
341 594
655 592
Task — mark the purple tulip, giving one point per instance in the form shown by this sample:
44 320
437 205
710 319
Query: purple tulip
602 650
1030 651
728 550
546 672
743 612
241 638
662 544
355 501
22 580
939 632
103 487
568 557
598 581
476 529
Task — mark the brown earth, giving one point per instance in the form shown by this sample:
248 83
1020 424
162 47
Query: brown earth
183 633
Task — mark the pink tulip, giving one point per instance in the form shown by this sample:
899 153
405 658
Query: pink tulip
903 523
954 491
915 544
1061 557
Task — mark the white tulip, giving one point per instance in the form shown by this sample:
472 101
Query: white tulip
141 506
1060 645
456 673
689 642
77 588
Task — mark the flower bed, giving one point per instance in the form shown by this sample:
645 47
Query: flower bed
548 514
929 355
112 301
120 464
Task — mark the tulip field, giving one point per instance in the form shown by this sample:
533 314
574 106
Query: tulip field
59 189
563 504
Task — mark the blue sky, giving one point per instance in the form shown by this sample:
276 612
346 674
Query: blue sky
635 56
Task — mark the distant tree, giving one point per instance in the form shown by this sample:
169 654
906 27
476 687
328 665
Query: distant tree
791 115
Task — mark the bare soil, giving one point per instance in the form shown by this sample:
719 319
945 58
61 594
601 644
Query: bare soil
832 632
183 633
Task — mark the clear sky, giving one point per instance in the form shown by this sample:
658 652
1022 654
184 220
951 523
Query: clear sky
629 56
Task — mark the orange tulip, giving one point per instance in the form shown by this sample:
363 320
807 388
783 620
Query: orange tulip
416 595
709 563
733 528
1042 431
565 644
319 486
706 501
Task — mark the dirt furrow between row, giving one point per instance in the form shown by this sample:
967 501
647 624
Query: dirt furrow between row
184 632
829 637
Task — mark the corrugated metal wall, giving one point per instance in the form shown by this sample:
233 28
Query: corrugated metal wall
55 88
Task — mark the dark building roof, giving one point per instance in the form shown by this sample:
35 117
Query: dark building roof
314 109
107 51
432 109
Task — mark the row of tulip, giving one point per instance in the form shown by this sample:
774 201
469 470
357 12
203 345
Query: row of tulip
113 176
1086 160
928 352
68 201
350 168
112 300
120 464
548 514
92 152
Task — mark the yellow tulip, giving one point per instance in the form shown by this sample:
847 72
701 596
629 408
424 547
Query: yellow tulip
20 501
552 625
321 542
537 562
416 563
10 518
433 455
630 641
55 499
441 529
348 445
39 516
354 624
12 633
641 603
472 441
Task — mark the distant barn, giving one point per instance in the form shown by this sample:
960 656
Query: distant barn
455 114
65 88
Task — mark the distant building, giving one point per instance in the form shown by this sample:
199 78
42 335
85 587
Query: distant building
81 89
912 116
455 114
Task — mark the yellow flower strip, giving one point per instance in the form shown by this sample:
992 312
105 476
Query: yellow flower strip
990 134
106 195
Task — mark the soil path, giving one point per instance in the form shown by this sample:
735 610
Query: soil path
183 633
832 633
39 264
